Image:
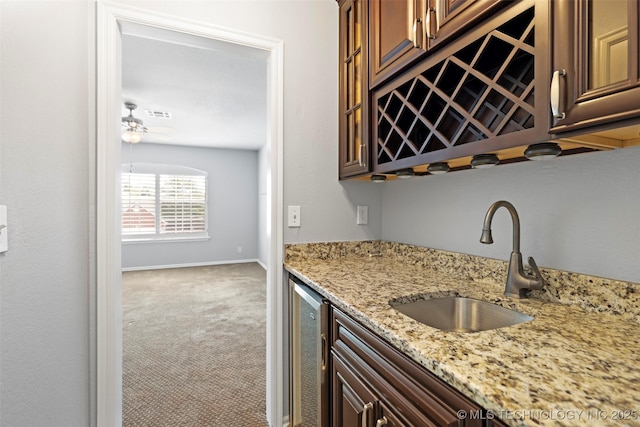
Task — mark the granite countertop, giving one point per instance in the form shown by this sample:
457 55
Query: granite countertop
576 363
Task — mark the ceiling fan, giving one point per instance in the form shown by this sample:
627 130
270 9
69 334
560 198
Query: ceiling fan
134 129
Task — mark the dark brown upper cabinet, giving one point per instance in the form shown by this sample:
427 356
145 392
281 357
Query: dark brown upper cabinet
595 79
446 18
402 31
396 35
486 92
353 105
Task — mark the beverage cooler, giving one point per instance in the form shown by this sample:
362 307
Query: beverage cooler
308 355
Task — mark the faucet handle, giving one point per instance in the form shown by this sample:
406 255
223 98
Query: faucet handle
537 274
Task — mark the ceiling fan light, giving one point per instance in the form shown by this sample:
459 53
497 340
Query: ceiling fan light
542 151
133 127
131 136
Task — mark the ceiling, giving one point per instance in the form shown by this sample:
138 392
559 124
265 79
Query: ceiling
215 91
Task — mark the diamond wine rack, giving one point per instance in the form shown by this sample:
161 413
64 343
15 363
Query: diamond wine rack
481 91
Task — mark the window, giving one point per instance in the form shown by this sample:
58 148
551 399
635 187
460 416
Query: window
162 202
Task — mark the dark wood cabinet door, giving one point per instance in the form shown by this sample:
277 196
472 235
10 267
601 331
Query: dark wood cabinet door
446 18
402 392
402 31
494 422
388 417
353 128
352 400
595 78
396 36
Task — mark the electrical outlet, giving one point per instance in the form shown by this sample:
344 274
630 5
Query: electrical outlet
363 215
239 249
294 216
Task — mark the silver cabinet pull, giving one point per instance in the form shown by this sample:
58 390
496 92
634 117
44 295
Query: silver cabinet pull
361 160
381 422
417 33
431 35
365 414
556 94
323 340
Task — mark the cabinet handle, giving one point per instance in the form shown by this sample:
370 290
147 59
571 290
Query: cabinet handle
365 414
381 422
431 35
556 93
323 340
417 33
363 152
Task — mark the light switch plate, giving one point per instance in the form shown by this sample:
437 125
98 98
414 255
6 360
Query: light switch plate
294 216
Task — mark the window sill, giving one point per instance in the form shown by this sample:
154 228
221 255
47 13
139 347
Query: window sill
135 241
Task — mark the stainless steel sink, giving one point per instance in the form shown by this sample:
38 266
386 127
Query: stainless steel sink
459 314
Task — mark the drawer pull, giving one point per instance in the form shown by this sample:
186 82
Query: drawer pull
381 422
365 413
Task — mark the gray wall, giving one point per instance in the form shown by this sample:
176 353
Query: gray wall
45 180
47 172
233 207
578 213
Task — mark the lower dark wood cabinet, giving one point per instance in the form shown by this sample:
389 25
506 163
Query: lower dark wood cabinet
352 400
375 385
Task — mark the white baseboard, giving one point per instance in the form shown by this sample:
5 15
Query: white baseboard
262 264
196 264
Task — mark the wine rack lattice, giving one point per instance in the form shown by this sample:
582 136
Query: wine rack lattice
483 90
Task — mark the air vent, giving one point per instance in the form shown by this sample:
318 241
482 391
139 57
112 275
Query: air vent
158 114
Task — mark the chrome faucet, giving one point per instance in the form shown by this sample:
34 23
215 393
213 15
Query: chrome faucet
517 281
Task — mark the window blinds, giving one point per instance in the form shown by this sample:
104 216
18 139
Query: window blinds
182 204
138 204
159 205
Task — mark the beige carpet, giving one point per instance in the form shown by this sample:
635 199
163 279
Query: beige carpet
194 346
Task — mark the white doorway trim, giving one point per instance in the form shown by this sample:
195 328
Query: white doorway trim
108 248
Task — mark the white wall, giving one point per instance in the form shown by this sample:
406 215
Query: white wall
45 180
232 213
578 213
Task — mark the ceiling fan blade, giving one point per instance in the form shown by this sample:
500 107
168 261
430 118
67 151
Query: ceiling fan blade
152 136
160 130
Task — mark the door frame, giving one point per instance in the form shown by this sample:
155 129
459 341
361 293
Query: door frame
108 407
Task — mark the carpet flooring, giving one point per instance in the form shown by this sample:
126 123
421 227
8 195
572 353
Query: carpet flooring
194 346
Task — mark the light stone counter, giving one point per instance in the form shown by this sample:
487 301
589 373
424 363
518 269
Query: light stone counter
576 363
